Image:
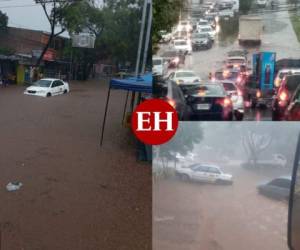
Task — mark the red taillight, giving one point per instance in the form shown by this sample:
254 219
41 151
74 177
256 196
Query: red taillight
171 102
239 79
258 94
227 102
283 96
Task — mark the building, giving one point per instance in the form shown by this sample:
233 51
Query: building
23 47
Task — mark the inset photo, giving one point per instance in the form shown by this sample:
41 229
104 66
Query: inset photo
228 60
226 186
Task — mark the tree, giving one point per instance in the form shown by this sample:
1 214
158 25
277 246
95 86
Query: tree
55 11
166 14
254 145
3 22
182 144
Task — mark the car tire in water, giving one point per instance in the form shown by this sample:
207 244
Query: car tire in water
65 91
48 94
184 177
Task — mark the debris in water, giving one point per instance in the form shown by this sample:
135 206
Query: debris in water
14 186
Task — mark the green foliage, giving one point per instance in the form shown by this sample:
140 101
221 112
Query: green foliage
3 22
6 51
166 14
182 143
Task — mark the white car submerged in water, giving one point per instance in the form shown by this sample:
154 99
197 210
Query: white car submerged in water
47 87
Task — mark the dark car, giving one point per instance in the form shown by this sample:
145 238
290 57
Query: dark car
282 98
292 112
278 188
170 92
174 58
209 101
201 41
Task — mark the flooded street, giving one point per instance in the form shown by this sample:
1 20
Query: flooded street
75 195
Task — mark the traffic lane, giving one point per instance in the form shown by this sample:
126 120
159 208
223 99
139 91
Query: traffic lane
75 195
189 215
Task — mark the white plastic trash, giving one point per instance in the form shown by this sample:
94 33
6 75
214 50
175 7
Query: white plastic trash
13 186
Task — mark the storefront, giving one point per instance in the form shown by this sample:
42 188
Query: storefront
8 68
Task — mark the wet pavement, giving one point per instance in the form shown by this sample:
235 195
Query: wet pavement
75 195
278 36
213 217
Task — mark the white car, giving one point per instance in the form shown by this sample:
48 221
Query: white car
282 73
201 23
207 30
184 77
261 3
183 45
47 87
159 66
236 97
204 173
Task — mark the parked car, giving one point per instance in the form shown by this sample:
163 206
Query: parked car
292 112
159 66
170 92
201 41
47 87
237 99
183 45
278 188
209 101
261 3
182 77
282 73
282 98
204 173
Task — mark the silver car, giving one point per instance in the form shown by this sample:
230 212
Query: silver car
236 97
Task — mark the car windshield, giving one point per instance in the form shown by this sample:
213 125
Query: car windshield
293 82
228 86
206 30
203 23
200 36
185 74
237 61
170 54
43 83
180 43
156 61
206 90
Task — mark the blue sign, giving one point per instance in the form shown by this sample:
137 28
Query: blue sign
264 69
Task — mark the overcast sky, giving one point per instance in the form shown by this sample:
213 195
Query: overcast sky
26 14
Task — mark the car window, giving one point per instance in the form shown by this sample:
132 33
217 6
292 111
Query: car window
180 43
292 83
213 170
60 83
54 84
43 83
156 61
283 183
185 74
228 86
207 90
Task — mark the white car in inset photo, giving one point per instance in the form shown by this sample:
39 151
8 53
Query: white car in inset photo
184 77
47 87
204 173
